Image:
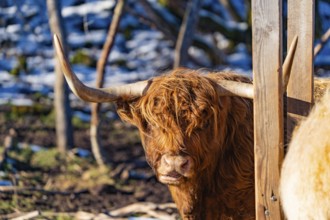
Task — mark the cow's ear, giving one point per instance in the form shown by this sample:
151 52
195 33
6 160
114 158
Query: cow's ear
124 112
128 112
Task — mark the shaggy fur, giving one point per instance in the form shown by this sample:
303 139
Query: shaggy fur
183 113
305 180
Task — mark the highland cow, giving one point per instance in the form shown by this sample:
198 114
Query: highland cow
198 142
197 133
305 177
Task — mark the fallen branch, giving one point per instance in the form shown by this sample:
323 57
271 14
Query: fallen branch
164 211
159 211
57 214
25 216
17 189
33 214
81 215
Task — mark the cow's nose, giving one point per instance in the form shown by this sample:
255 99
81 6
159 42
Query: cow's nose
178 163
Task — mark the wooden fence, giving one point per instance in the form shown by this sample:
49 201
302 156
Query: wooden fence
269 102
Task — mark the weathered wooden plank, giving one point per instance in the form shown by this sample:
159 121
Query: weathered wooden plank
300 88
268 105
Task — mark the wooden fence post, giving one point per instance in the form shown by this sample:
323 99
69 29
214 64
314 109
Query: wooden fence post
300 87
268 105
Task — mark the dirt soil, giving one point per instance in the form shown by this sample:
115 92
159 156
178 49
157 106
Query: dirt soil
133 179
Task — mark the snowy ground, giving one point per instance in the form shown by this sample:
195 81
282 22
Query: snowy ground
140 52
28 34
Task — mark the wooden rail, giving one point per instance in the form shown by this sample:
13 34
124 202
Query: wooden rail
300 88
268 99
268 105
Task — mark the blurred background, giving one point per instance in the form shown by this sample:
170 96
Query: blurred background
50 162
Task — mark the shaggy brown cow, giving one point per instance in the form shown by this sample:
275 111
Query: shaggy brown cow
197 136
198 142
305 178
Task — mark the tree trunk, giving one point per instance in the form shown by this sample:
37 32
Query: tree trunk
186 33
101 64
170 31
64 132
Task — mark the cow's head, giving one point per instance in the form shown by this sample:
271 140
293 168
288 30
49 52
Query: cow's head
181 117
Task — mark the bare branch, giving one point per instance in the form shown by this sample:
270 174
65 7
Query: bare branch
186 33
101 64
325 37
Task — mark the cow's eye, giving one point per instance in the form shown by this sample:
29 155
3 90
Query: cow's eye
183 149
206 124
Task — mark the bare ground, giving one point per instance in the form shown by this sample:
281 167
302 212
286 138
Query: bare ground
129 179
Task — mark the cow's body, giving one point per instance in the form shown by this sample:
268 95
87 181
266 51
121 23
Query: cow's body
198 142
305 177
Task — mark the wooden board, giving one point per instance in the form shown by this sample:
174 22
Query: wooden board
300 87
268 105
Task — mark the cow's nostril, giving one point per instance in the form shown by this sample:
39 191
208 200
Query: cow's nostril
184 165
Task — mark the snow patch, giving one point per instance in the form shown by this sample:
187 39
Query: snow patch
87 8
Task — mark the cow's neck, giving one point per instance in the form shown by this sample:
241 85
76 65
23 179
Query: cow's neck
236 163
189 201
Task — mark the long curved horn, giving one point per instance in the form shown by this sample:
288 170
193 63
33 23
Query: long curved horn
287 65
226 87
92 94
232 88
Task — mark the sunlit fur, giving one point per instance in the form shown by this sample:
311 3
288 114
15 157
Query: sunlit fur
183 113
305 178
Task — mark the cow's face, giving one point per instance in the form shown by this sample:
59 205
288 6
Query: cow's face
179 122
176 162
